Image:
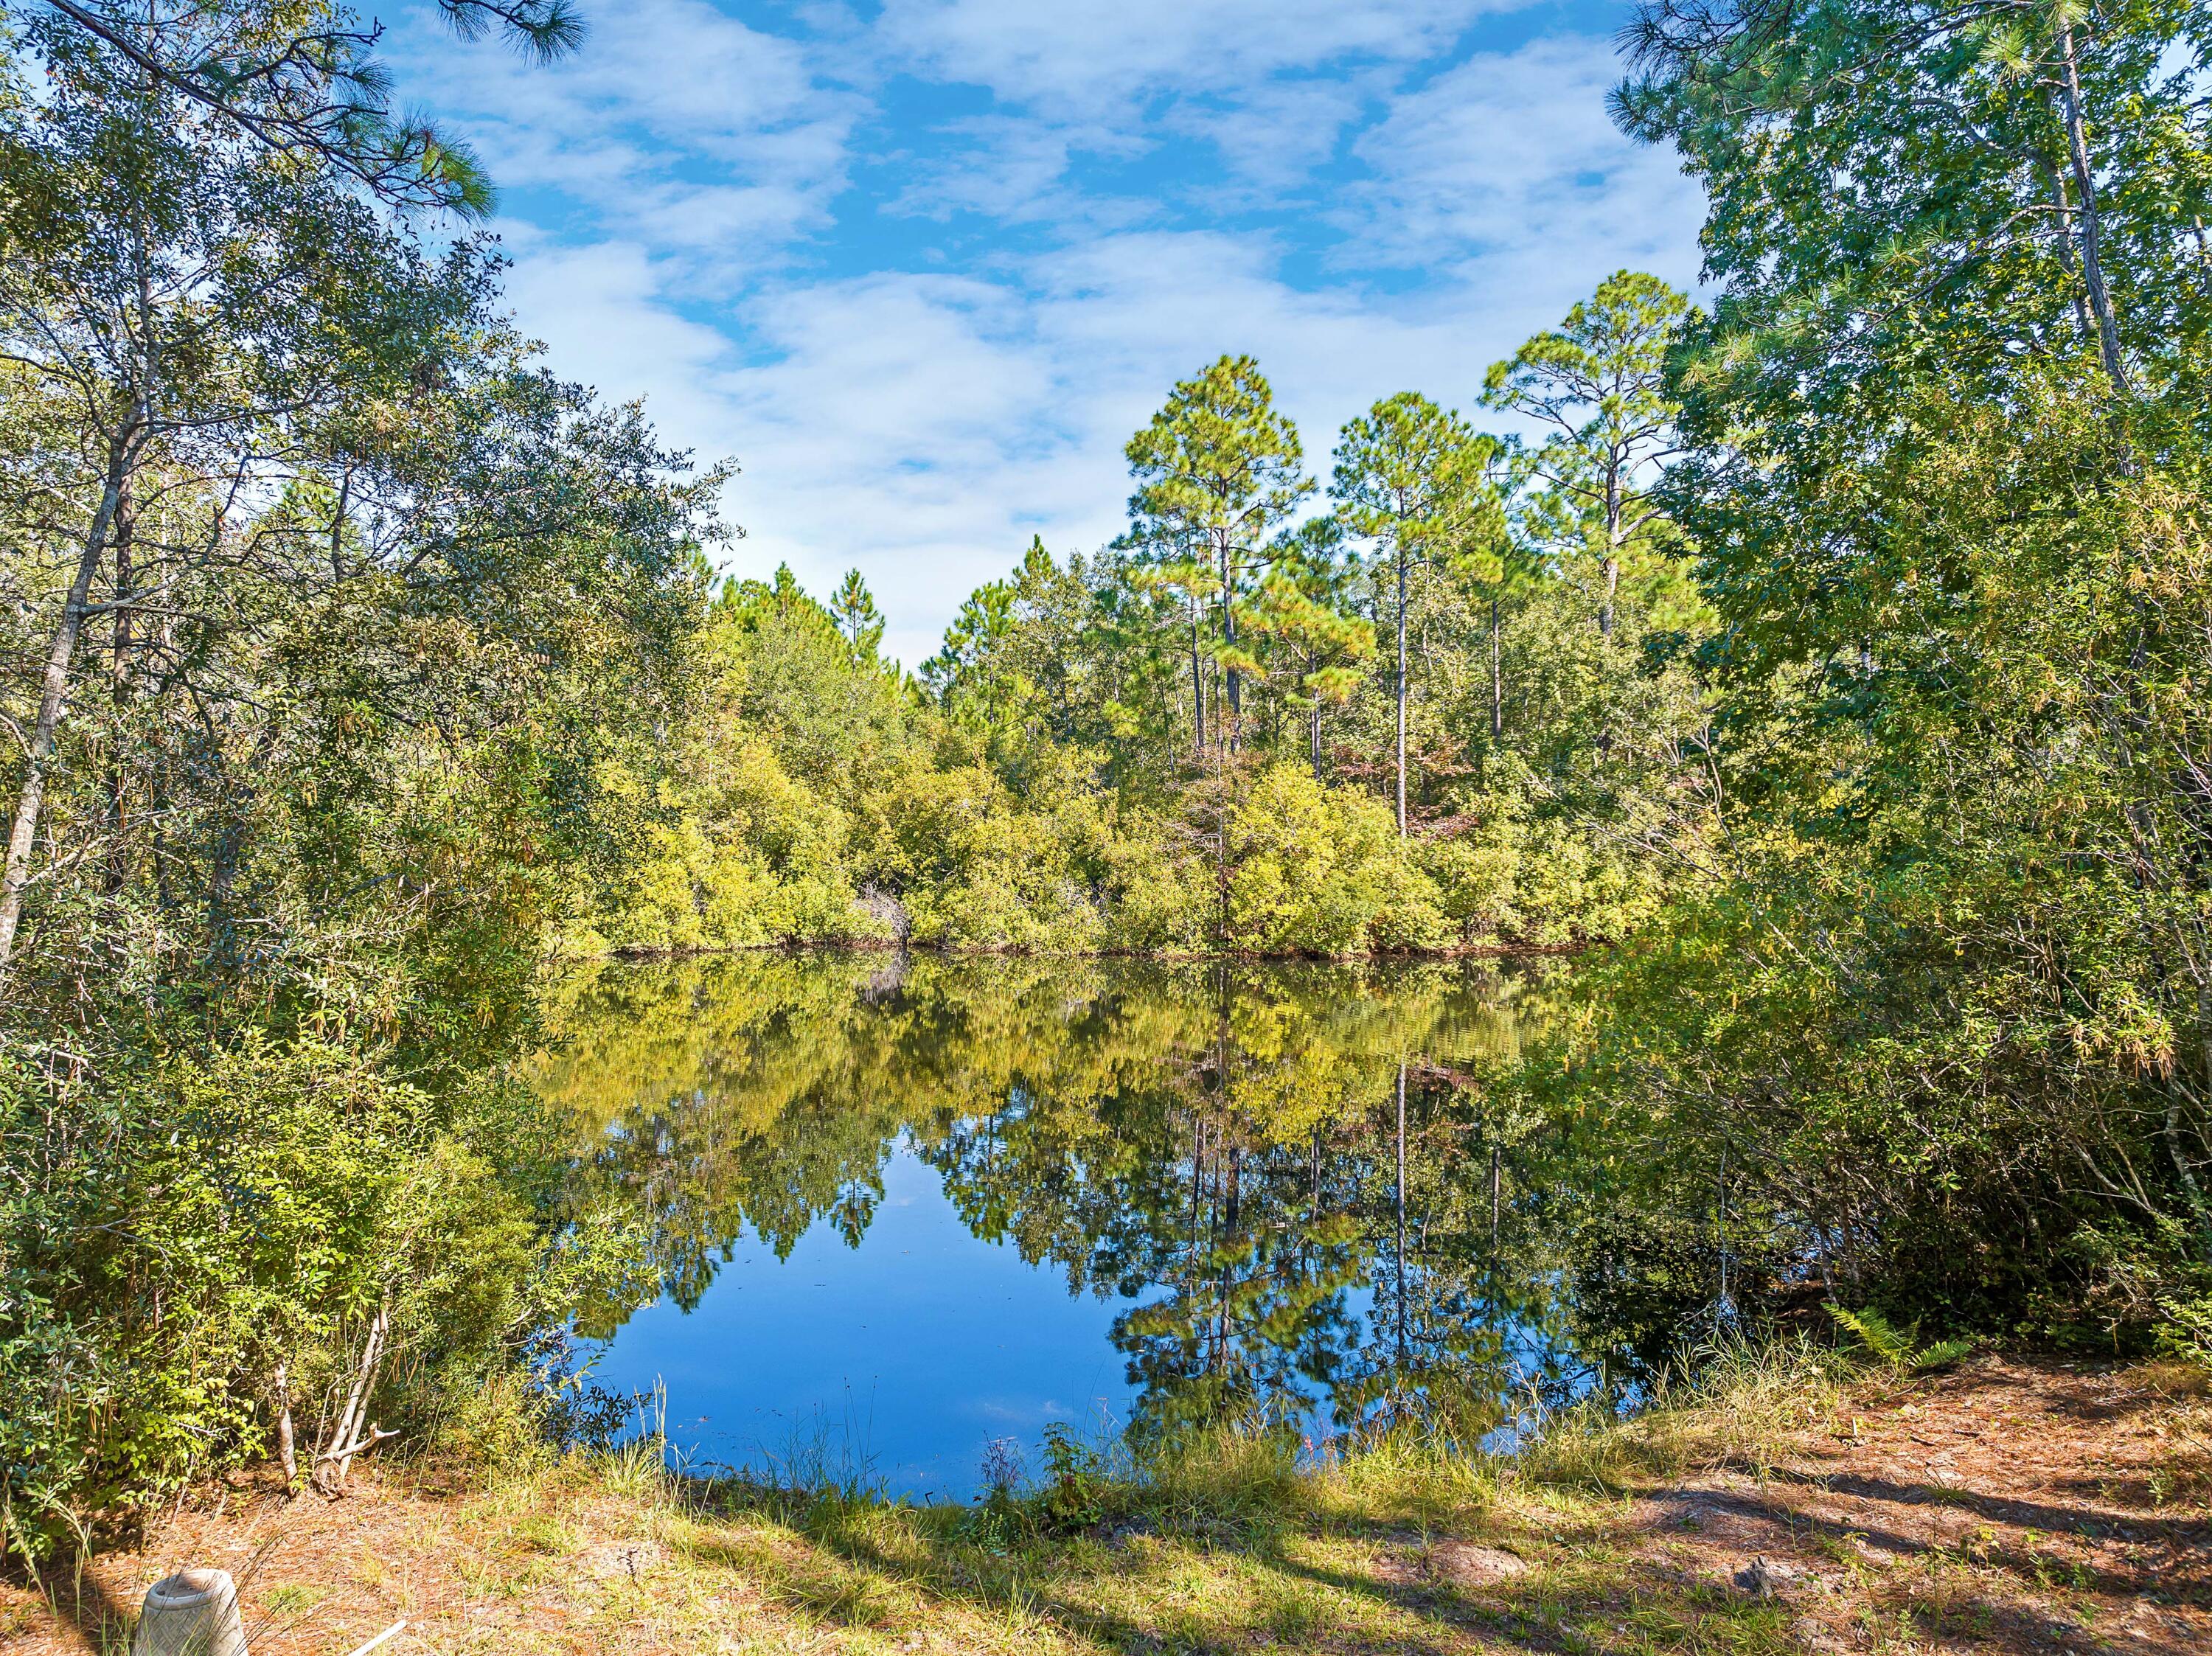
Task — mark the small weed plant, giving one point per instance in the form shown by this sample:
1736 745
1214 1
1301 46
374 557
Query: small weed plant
1074 1493
1897 1348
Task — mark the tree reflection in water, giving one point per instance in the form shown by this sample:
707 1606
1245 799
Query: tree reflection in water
1305 1186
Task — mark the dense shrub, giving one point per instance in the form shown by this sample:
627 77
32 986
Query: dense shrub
1322 872
177 1233
973 827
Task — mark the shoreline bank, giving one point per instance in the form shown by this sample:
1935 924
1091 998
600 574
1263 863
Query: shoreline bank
2017 1504
960 951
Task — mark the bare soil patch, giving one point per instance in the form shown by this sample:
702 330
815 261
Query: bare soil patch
2011 1505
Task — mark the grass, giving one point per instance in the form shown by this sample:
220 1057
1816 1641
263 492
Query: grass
1744 1408
1600 1534
2183 1474
1228 1543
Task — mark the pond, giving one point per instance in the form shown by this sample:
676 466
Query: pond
899 1214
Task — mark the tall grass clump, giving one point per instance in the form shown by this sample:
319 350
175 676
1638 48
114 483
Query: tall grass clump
1239 1474
1411 1476
1733 1403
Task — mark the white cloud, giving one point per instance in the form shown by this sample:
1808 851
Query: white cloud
1509 163
675 121
918 407
1086 57
606 320
1273 133
679 70
1272 85
1013 169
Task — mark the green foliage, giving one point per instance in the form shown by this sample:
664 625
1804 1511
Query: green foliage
1416 482
857 618
1596 387
1417 478
1317 873
347 609
1933 1002
1217 470
1897 1348
1299 607
207 1225
2187 1331
737 854
1016 801
981 866
1073 1494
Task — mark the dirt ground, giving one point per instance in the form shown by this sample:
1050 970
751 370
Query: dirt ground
2012 1506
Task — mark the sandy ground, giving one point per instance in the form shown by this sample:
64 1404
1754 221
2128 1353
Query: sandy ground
2010 1507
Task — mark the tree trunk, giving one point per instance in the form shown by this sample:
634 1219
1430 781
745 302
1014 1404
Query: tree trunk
54 697
286 1456
335 1459
1497 680
2085 186
1221 849
1197 690
2066 260
1399 1257
1609 569
119 681
1401 690
1232 730
1720 1240
1494 1184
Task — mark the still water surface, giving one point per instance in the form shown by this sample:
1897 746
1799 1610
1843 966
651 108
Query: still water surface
896 1210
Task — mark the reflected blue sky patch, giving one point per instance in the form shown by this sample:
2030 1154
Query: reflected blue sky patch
909 1353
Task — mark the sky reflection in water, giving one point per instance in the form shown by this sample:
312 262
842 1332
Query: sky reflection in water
896 1210
910 1352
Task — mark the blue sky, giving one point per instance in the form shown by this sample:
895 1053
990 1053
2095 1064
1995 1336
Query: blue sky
921 267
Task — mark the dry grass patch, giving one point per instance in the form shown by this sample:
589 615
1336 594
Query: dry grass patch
1986 1509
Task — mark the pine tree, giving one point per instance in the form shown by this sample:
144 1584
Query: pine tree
1302 603
971 666
1218 469
857 618
1416 480
1596 385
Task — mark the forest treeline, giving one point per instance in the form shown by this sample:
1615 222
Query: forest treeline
1446 702
1833 649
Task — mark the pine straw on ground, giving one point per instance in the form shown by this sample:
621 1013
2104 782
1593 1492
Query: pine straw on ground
2010 1506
